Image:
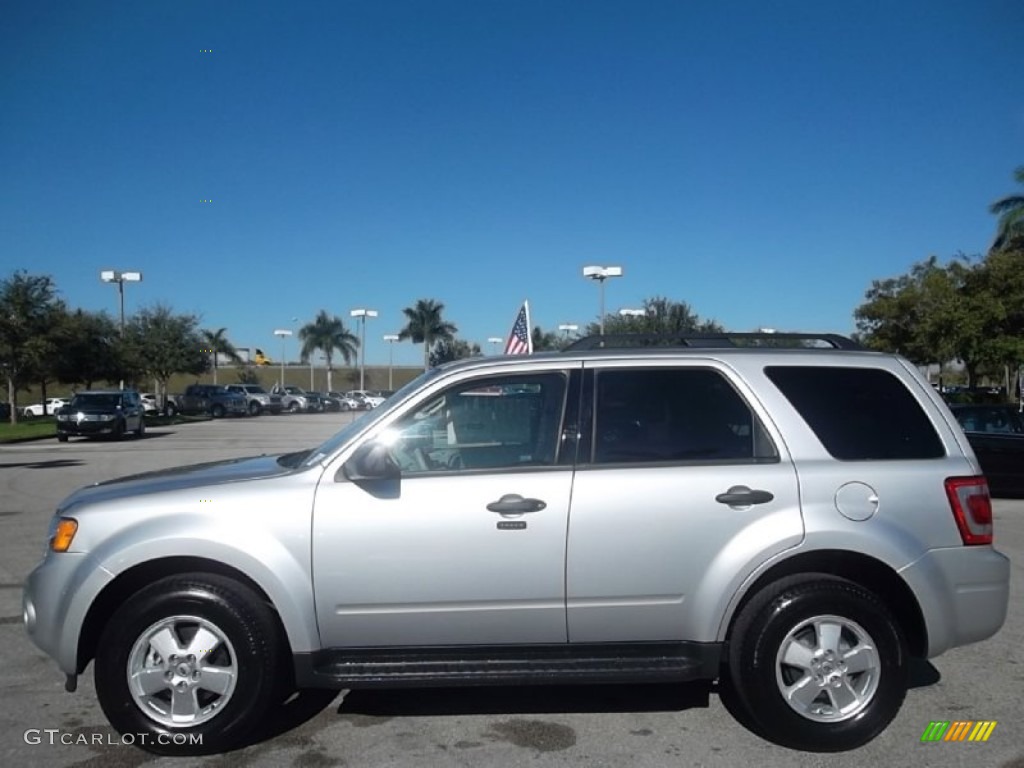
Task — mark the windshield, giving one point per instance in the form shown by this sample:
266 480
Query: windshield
96 401
331 446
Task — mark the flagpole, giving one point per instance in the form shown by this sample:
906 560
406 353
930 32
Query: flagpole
529 328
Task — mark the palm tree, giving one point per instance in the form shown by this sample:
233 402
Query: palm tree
217 344
425 326
1010 210
328 334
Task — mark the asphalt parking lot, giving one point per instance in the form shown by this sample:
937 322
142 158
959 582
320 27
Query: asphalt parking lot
632 726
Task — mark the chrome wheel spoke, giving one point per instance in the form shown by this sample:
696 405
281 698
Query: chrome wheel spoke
803 692
217 679
203 643
183 704
828 633
150 681
860 659
165 643
798 655
843 696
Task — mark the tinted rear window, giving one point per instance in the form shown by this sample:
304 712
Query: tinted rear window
859 413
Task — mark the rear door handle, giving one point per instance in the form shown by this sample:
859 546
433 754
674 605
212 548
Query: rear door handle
741 496
513 503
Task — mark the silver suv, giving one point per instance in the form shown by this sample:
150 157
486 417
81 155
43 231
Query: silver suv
795 523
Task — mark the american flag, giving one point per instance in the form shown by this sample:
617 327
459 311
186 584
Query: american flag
519 341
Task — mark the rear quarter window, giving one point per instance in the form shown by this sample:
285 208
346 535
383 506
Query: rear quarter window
859 413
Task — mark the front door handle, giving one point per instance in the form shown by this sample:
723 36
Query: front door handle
741 496
513 503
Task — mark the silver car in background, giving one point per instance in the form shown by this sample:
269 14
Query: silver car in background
795 523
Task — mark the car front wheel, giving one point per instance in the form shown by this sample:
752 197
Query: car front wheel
192 663
818 663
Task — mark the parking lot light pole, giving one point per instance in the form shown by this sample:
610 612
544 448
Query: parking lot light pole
600 274
568 328
391 338
362 314
495 341
113 276
282 333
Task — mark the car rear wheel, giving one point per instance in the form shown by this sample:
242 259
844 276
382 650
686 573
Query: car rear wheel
192 662
217 411
818 663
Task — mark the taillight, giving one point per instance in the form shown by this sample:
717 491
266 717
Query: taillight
972 508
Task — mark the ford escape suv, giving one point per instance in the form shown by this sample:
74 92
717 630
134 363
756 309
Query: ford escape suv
796 523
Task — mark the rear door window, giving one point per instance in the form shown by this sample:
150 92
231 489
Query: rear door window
859 413
643 415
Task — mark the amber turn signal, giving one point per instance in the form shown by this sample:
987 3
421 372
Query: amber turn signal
65 533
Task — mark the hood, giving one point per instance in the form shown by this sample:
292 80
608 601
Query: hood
183 478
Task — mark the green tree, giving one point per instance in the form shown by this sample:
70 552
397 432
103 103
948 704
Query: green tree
160 343
661 315
29 315
328 334
1010 210
545 341
88 349
425 325
446 350
215 343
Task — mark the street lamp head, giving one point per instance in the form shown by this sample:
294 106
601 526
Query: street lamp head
390 337
601 273
363 313
131 277
108 275
633 312
282 332
495 339
568 327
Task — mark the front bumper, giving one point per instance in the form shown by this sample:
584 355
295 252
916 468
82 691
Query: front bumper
55 601
86 428
964 593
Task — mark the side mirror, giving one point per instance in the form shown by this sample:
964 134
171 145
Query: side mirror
371 461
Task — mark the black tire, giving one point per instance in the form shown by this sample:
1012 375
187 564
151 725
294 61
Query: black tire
255 409
141 429
61 437
866 634
28 415
247 648
217 411
119 430
344 407
171 410
293 407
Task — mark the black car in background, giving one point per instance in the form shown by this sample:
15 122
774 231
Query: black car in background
996 433
111 413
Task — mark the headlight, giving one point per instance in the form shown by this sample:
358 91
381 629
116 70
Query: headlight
63 417
107 417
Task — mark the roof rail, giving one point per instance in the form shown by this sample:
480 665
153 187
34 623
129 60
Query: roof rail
777 339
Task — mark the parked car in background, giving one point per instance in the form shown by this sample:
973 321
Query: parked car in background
996 433
370 399
344 402
49 408
296 399
5 411
150 402
799 524
102 412
258 398
212 399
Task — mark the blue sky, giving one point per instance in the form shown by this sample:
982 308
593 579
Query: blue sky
761 161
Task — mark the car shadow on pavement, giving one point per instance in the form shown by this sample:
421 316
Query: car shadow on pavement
527 700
